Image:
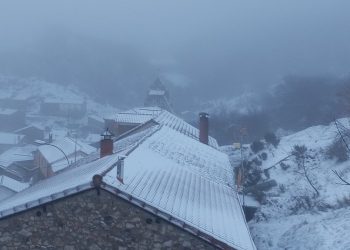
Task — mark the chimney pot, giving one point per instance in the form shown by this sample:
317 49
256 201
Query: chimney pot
204 127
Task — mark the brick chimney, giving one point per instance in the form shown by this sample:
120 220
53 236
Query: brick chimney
204 128
106 144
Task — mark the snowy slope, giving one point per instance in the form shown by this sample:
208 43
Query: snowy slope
39 90
292 215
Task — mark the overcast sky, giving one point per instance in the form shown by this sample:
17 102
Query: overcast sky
226 46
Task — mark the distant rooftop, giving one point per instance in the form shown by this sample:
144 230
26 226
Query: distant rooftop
67 145
64 100
4 111
15 154
161 116
10 138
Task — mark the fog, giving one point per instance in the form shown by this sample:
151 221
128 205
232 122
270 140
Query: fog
201 49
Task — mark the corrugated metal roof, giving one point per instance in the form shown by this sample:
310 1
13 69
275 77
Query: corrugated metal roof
168 119
189 181
56 184
163 117
167 170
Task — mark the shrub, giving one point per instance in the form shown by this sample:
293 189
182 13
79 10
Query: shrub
257 146
300 153
260 196
282 188
284 166
301 203
257 162
263 156
343 202
253 176
271 138
338 151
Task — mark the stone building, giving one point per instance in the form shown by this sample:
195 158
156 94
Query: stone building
159 187
158 96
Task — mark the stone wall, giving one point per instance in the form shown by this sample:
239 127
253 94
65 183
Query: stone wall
90 221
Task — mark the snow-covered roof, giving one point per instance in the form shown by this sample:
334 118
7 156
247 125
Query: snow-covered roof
27 127
97 118
62 163
156 92
168 119
163 117
15 154
168 173
72 179
64 100
10 138
5 111
67 145
136 115
5 192
12 184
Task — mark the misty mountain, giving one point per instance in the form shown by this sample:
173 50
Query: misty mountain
296 103
116 73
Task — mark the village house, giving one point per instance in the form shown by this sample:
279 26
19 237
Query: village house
31 133
52 158
9 140
18 163
161 185
69 108
158 96
19 102
11 119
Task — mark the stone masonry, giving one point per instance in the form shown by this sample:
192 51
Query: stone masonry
90 221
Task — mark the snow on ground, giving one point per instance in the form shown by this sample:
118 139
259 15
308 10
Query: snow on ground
39 90
293 216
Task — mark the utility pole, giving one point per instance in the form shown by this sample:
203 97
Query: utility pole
75 147
242 132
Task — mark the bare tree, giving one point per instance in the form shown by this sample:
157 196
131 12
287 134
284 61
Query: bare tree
344 134
343 181
300 153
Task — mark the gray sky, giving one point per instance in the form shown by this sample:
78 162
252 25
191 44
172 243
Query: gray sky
226 47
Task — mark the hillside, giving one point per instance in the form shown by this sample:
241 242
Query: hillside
34 92
292 215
